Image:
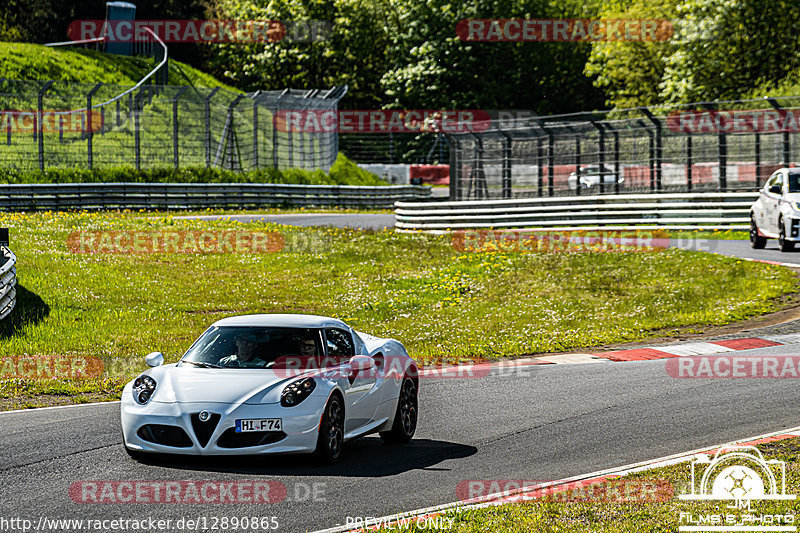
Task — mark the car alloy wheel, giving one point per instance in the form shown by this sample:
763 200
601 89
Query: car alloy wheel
331 431
756 240
405 419
783 244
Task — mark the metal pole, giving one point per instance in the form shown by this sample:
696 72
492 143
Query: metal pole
601 155
207 140
89 125
656 154
578 165
689 162
616 162
175 160
136 139
506 173
255 129
539 165
40 119
551 144
758 159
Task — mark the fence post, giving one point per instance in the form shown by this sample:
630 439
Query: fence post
601 153
758 159
578 165
89 125
551 145
255 129
136 141
787 154
453 168
657 153
616 161
689 162
175 160
506 178
539 165
207 139
40 121
275 128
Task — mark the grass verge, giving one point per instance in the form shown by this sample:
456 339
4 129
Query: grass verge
444 305
588 509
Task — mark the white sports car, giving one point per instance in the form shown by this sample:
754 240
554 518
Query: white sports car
259 384
776 213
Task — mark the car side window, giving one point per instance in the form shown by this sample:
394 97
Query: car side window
775 179
340 343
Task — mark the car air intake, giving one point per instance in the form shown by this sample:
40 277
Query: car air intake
231 439
203 430
165 435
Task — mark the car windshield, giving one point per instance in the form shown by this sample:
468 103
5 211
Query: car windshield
252 347
794 181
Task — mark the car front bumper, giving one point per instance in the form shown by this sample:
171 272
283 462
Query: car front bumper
143 428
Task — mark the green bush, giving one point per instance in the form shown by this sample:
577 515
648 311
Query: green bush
343 172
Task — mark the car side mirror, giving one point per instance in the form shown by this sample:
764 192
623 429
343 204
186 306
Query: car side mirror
360 363
775 189
154 359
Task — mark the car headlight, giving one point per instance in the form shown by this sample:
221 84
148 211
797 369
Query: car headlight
296 392
796 206
143 389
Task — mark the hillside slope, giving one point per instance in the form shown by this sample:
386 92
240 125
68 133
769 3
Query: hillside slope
25 61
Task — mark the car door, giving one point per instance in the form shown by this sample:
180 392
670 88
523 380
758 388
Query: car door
361 389
768 221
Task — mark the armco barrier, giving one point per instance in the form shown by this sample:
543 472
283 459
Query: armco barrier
607 212
93 196
8 281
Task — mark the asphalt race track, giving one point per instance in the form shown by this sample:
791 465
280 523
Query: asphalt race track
545 422
540 423
378 221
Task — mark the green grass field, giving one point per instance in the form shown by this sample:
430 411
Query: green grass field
578 510
27 61
442 304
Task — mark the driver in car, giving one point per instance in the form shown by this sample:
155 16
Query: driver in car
245 356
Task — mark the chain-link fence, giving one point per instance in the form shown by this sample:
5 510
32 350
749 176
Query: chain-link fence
718 146
46 124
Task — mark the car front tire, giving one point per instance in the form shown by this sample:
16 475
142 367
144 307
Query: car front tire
783 244
405 418
331 432
756 241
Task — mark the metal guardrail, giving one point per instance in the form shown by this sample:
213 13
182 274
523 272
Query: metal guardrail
8 281
91 196
601 212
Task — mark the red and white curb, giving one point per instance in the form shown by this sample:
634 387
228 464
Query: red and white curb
632 354
533 492
699 348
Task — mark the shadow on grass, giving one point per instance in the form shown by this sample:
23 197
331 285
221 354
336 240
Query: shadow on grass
364 457
30 309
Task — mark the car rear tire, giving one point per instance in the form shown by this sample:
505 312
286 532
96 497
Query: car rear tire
331 432
783 244
405 418
756 241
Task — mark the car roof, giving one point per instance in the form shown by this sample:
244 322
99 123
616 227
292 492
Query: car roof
288 320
